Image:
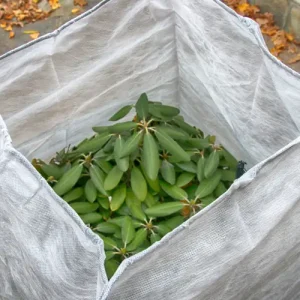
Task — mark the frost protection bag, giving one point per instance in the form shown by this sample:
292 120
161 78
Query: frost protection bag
213 65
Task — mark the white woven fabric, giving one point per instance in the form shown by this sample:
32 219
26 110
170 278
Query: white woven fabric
214 66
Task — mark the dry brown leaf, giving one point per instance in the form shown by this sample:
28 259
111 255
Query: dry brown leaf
30 31
294 59
11 34
80 2
262 21
279 40
292 49
8 28
34 35
75 10
289 37
275 52
54 4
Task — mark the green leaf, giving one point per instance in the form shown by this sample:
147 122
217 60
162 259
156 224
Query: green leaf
167 171
121 127
137 212
184 178
164 209
208 185
205 201
173 191
174 222
100 154
118 234
117 221
68 180
104 202
138 184
128 232
109 243
228 175
154 184
113 178
162 229
131 198
155 112
173 132
155 238
118 197
94 144
198 143
168 111
90 191
150 156
139 239
141 107
211 164
98 129
91 218
106 227
220 189
200 168
111 267
150 201
84 207
232 162
73 194
131 144
97 176
123 210
186 127
103 164
109 255
171 146
188 167
124 111
52 170
122 163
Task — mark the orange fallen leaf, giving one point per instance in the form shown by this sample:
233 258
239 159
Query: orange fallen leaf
294 59
80 2
275 51
54 4
289 37
292 49
8 28
11 34
3 25
262 21
243 7
75 10
34 35
30 31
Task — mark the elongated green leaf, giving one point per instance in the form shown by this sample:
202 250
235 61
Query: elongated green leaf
91 218
97 177
138 240
174 222
109 243
167 171
154 184
123 210
171 146
137 212
100 154
94 144
118 197
211 164
111 267
205 201
198 143
117 221
188 167
84 207
200 168
138 184
173 132
131 198
149 200
155 238
99 129
150 156
207 186
109 255
186 127
141 107
164 209
90 191
106 227
113 178
232 162
122 163
121 127
104 202
131 144
73 194
103 164
162 229
173 191
169 111
118 234
228 175
121 113
156 113
68 180
220 189
128 232
52 170
184 178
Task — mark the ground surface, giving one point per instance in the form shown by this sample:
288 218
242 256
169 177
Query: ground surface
64 14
